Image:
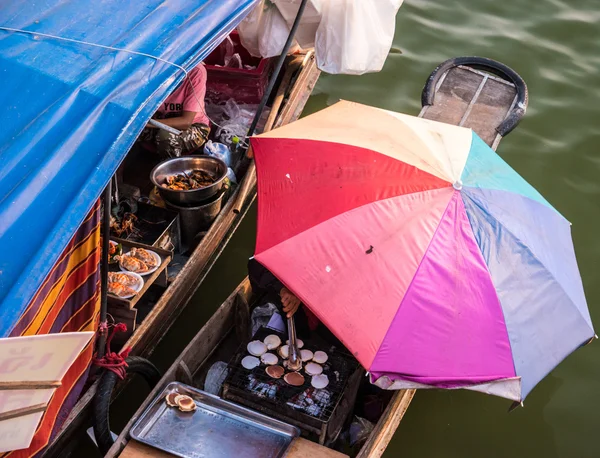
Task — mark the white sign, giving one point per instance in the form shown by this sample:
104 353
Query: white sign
40 358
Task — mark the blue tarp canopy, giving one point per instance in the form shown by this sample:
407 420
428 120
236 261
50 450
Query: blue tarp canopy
69 112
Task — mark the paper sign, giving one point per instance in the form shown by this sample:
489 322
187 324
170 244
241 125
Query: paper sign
33 359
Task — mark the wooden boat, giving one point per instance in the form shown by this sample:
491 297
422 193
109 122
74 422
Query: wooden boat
458 92
300 75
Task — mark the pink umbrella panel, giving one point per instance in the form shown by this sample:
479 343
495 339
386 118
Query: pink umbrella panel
432 260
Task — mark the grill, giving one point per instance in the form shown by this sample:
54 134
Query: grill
316 412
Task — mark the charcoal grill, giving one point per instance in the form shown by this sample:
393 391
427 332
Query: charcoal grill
330 407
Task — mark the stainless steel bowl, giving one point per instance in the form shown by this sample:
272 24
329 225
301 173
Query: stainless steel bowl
177 165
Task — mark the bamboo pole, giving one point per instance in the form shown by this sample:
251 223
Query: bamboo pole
16 413
29 385
104 266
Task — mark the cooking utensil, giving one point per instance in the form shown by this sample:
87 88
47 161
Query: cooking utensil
180 165
294 361
160 125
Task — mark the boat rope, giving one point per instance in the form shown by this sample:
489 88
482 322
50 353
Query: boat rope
130 51
114 362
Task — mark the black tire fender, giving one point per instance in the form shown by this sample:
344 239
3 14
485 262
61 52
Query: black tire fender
102 399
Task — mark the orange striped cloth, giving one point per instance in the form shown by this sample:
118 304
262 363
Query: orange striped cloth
67 301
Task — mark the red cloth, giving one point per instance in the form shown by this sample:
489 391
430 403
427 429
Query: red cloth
312 319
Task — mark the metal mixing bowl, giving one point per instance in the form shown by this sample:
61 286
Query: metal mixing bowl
187 164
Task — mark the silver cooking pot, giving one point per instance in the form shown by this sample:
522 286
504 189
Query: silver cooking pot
178 165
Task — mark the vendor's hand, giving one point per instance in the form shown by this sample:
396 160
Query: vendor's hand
290 302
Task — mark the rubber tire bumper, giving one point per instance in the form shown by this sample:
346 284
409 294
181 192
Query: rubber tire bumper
101 405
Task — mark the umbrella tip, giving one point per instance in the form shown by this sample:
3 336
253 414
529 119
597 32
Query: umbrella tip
595 336
457 185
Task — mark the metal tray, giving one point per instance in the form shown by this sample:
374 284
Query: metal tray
217 429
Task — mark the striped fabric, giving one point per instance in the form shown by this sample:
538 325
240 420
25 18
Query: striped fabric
67 301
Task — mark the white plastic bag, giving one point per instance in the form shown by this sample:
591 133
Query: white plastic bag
309 23
248 30
215 377
355 36
264 31
273 33
218 150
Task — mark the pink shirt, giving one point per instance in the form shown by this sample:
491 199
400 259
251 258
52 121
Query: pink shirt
183 99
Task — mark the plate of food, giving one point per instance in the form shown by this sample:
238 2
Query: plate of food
124 284
139 261
114 250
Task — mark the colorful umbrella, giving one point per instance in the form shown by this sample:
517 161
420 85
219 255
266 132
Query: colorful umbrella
431 259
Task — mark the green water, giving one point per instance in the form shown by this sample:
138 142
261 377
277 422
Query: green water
555 46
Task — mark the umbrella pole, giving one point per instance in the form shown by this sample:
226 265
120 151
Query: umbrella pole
104 266
277 69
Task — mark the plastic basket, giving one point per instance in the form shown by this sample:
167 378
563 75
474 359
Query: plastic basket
242 85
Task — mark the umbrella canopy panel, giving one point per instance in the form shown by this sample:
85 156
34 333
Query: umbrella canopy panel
432 260
70 111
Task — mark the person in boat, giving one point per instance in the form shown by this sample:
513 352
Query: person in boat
183 110
266 285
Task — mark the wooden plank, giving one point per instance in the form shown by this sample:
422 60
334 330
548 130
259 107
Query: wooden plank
123 315
304 85
387 425
184 374
300 448
30 385
136 449
459 102
23 411
485 115
133 244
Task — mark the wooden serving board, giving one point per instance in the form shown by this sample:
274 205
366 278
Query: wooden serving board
165 257
301 448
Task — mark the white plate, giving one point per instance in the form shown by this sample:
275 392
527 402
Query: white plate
156 256
137 287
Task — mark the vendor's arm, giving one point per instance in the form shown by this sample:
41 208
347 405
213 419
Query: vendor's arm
263 281
290 302
182 122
